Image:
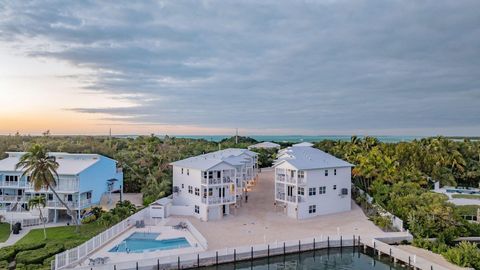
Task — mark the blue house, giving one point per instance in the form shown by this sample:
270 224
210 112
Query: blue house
83 180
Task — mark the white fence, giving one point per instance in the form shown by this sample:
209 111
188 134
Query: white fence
397 223
77 254
227 255
201 240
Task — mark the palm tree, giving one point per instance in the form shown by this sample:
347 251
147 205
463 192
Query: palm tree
42 170
39 202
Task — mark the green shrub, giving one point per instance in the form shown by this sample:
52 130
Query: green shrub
422 243
29 246
89 219
382 222
22 266
72 243
4 264
7 253
464 254
48 260
39 255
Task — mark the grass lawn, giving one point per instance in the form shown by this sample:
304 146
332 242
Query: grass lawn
4 232
466 196
63 234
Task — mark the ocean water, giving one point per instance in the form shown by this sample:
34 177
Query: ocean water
334 259
300 138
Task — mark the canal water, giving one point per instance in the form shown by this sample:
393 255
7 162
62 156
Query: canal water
332 259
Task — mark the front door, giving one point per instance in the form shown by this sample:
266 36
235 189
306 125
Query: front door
224 209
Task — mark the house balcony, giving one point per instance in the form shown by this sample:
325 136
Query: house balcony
281 177
13 198
219 200
14 184
280 196
71 204
292 199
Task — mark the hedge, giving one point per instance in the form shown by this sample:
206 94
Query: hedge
4 264
29 246
39 255
7 253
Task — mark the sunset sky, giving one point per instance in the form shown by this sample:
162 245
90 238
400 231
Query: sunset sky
270 67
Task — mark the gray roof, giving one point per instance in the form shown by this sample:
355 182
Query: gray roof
231 156
69 164
307 158
264 145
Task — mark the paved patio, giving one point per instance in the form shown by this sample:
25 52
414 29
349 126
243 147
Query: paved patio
259 222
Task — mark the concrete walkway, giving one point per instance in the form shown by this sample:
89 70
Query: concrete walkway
14 238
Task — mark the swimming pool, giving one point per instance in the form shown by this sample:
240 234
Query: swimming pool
139 242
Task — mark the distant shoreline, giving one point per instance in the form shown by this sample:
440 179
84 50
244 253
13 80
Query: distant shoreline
282 138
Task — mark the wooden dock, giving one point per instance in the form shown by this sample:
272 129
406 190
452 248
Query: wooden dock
381 248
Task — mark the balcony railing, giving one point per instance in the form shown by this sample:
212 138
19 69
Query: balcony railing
13 183
291 198
219 200
281 177
71 204
281 196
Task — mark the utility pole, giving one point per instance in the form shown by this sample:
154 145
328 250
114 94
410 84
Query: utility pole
236 136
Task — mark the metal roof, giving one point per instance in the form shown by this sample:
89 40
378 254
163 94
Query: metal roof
231 156
69 164
307 158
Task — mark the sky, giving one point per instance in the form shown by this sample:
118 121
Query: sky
376 67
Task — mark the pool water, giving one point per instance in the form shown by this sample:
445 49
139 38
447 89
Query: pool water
139 242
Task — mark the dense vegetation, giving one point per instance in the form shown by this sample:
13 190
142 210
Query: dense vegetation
144 159
399 176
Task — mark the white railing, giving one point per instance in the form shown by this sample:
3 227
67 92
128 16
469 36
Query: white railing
231 254
201 240
13 183
77 254
71 204
281 177
28 221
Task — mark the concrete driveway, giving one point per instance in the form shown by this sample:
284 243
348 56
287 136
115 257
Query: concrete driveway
259 221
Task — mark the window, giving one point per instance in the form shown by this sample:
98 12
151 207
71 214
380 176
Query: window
188 171
182 170
183 186
344 191
326 172
50 197
334 187
301 191
197 209
312 191
197 191
301 174
322 190
190 189
69 197
312 209
89 195
334 171
210 192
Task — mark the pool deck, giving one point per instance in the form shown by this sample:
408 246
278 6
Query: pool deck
458 201
166 232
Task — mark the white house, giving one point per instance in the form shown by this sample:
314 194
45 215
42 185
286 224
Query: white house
303 144
265 145
209 185
83 180
310 182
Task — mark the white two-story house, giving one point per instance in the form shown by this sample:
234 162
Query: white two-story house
83 179
209 185
310 182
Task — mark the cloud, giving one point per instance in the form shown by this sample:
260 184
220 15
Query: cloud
311 65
